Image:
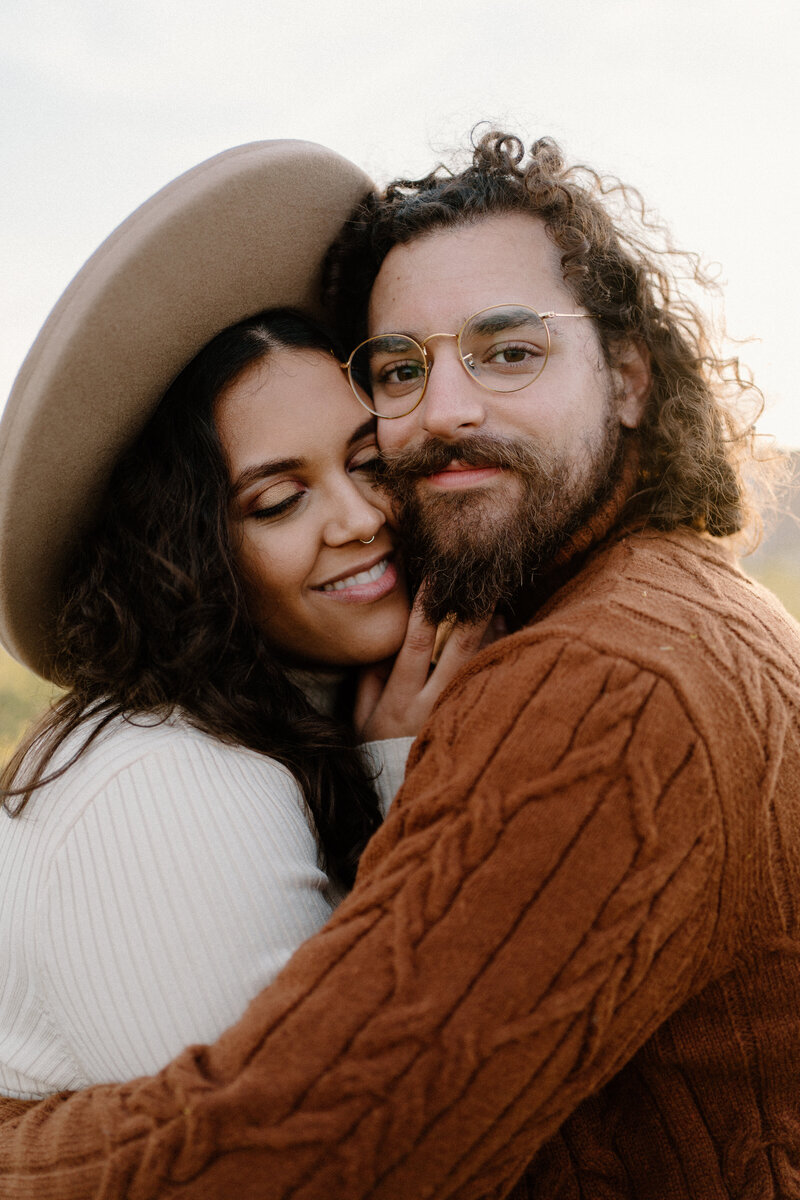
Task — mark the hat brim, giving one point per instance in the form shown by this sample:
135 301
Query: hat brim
243 231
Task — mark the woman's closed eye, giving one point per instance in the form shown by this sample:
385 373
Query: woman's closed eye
277 500
367 461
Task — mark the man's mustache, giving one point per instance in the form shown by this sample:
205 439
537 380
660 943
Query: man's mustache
477 450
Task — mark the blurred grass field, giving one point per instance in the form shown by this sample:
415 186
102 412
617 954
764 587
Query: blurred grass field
23 695
781 578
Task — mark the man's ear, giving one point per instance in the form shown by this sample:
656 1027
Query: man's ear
631 370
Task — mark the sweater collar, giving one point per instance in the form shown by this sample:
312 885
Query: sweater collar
608 515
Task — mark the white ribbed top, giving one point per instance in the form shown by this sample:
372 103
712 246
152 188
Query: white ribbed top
146 897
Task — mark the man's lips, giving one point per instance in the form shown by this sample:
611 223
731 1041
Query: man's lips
460 475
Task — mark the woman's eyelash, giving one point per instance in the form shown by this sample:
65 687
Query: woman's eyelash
274 510
372 465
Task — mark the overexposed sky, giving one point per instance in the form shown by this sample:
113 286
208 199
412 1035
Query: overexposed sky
694 101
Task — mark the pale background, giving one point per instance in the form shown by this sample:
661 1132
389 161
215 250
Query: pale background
101 103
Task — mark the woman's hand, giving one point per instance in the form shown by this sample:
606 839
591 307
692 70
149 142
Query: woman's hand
395 699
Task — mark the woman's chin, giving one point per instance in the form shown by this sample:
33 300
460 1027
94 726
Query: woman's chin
373 646
371 638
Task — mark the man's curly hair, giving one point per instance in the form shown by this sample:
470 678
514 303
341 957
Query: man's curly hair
697 432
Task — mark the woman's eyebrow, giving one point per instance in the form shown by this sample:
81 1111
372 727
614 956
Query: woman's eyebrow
272 466
369 426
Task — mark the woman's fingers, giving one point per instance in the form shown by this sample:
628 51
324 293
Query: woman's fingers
386 700
463 643
401 704
413 662
398 708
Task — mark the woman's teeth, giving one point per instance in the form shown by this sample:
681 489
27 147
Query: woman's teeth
362 577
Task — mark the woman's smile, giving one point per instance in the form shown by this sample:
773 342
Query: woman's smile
363 584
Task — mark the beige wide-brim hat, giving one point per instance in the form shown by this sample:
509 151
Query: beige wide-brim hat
243 231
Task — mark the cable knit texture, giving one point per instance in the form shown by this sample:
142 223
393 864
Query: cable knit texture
575 941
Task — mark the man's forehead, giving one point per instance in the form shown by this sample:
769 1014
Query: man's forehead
445 275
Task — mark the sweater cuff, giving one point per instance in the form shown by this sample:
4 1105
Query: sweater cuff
386 760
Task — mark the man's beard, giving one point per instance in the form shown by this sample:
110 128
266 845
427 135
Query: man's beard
476 548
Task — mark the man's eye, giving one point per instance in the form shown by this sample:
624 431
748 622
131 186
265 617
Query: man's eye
510 355
402 372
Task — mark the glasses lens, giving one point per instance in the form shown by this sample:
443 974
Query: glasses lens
505 348
391 370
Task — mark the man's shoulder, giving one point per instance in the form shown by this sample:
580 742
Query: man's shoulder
652 592
675 607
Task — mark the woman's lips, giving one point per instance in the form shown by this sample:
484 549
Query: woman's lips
461 475
364 586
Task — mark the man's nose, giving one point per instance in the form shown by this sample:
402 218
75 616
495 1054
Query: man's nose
453 401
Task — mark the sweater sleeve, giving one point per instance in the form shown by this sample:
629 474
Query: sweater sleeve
386 761
184 886
539 900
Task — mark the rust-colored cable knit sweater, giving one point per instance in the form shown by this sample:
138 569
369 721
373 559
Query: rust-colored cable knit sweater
576 941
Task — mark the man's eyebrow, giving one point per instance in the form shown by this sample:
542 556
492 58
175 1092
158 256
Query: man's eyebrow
386 341
490 322
496 322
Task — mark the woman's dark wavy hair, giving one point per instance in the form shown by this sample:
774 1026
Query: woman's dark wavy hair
697 432
154 616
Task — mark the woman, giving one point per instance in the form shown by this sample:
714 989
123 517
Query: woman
195 805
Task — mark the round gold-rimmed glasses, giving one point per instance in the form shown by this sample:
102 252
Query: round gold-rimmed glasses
503 348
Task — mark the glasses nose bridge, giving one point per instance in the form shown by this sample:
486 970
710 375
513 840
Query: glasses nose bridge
429 360
431 336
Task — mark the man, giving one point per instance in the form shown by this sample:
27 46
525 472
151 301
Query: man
573 948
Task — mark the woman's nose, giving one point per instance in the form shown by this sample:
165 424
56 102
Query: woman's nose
353 517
